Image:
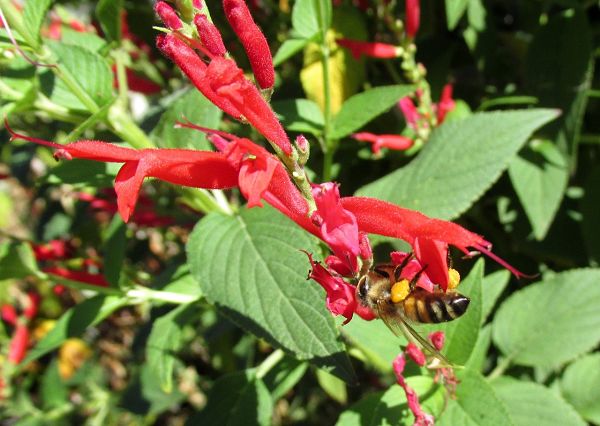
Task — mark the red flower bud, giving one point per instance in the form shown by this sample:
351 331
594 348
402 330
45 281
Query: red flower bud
209 35
372 49
169 17
254 42
9 314
396 142
413 16
18 344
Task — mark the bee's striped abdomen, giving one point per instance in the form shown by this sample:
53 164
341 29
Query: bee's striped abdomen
422 306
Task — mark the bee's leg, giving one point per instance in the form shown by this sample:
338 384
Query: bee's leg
416 278
399 268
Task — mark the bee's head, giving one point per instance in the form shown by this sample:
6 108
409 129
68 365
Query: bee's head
362 290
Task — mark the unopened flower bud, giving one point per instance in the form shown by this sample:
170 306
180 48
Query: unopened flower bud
303 148
198 4
209 35
168 15
413 15
254 42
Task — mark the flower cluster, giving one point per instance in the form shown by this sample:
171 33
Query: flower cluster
341 222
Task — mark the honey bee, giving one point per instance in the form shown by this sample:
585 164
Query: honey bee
398 303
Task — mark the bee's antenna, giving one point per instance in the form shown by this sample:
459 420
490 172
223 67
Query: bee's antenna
399 268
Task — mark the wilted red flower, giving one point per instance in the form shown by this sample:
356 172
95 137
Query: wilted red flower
415 354
372 49
437 338
413 17
412 399
397 142
253 40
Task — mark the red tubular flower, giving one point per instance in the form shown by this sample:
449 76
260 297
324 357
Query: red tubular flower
412 399
224 84
413 16
195 69
372 49
411 115
136 82
340 295
254 42
446 103
209 35
81 276
397 142
338 226
228 81
17 347
166 14
198 169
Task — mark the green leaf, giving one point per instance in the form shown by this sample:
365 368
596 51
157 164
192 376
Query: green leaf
52 390
300 115
390 407
74 322
550 322
108 13
459 163
539 176
476 404
477 360
164 340
492 287
364 107
284 376
236 399
305 20
455 9
83 173
16 260
88 41
579 385
250 266
34 13
375 340
114 244
191 105
334 387
527 401
288 49
88 70
558 71
477 14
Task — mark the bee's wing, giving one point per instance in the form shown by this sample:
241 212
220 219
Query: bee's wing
400 326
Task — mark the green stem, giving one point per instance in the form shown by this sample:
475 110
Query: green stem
144 293
123 126
502 366
271 361
325 52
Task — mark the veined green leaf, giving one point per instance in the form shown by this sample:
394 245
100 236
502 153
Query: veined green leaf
251 267
459 163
